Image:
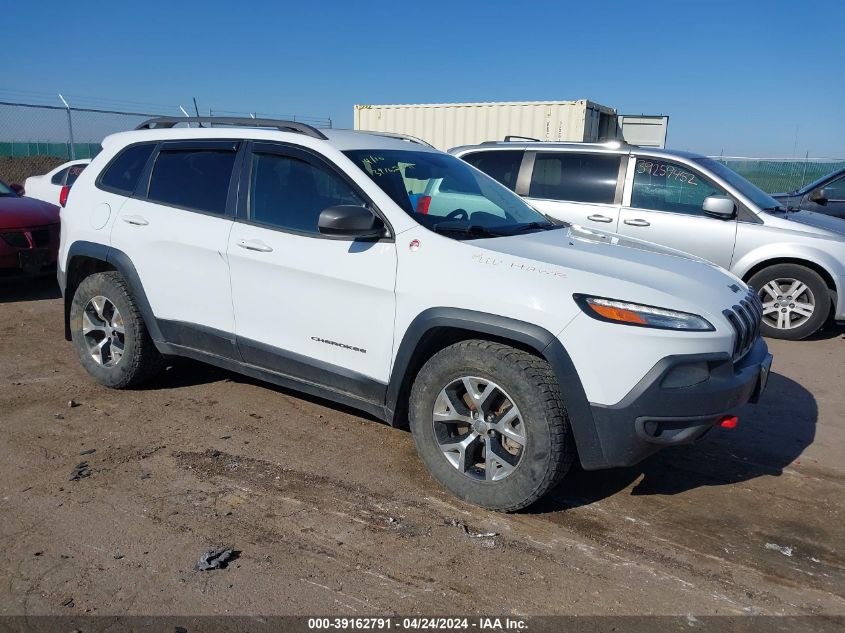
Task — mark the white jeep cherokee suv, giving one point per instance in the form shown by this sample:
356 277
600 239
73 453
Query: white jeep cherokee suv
306 258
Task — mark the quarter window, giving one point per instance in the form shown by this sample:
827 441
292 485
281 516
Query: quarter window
59 177
73 174
196 179
575 177
123 172
289 193
502 166
663 186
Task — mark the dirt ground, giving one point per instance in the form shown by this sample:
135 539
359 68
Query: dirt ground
333 513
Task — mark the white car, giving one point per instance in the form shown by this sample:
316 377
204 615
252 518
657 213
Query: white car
49 187
510 344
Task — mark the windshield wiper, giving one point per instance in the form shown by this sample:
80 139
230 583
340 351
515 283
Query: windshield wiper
473 230
543 226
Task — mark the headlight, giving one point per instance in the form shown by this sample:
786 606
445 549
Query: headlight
641 315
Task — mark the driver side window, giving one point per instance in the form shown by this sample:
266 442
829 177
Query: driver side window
836 190
289 193
661 185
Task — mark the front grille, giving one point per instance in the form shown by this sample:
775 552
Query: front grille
745 317
40 237
21 239
16 239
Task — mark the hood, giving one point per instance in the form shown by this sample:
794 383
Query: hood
19 213
611 265
817 224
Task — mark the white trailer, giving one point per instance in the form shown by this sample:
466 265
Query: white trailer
446 125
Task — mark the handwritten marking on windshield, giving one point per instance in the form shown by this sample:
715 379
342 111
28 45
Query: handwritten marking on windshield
670 172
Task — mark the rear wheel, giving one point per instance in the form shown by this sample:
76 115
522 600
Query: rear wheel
109 334
796 301
490 425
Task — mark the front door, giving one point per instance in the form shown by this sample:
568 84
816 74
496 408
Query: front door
308 306
664 205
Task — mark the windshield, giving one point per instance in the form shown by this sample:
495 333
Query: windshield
6 191
445 194
751 191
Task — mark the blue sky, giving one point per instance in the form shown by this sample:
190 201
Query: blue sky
743 78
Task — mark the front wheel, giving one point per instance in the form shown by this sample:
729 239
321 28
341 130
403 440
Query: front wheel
796 301
489 423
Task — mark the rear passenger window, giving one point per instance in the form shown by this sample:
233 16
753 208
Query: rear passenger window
121 176
502 166
196 179
289 193
575 177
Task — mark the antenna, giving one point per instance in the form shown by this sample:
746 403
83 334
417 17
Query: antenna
198 111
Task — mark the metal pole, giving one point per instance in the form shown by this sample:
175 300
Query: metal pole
69 128
804 173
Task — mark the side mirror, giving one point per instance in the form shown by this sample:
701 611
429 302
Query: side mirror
721 207
17 188
820 196
350 221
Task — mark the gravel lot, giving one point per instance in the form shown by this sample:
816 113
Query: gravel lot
332 512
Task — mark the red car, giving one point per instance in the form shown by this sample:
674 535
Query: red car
29 235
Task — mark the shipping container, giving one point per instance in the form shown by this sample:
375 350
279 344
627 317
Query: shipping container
446 125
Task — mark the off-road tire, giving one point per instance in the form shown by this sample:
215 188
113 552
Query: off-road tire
533 387
814 282
141 361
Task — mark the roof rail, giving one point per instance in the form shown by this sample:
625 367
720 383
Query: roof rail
402 137
610 144
164 122
515 137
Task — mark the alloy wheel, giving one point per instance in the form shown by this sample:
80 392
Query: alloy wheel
479 428
787 303
104 332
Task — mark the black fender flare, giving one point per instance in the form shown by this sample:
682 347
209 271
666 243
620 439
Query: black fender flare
526 334
119 261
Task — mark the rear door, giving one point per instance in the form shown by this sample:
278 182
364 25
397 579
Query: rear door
580 187
175 230
664 205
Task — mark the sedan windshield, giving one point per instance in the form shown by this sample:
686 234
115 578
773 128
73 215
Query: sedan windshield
751 191
6 191
446 195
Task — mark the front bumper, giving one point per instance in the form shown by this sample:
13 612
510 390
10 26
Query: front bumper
654 415
28 252
839 310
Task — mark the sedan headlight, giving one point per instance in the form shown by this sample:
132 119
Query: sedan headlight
640 315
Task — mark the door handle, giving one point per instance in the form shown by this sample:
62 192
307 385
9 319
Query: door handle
255 245
637 222
599 218
136 220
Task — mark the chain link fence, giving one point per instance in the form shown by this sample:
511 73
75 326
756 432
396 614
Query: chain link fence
781 174
69 133
30 130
